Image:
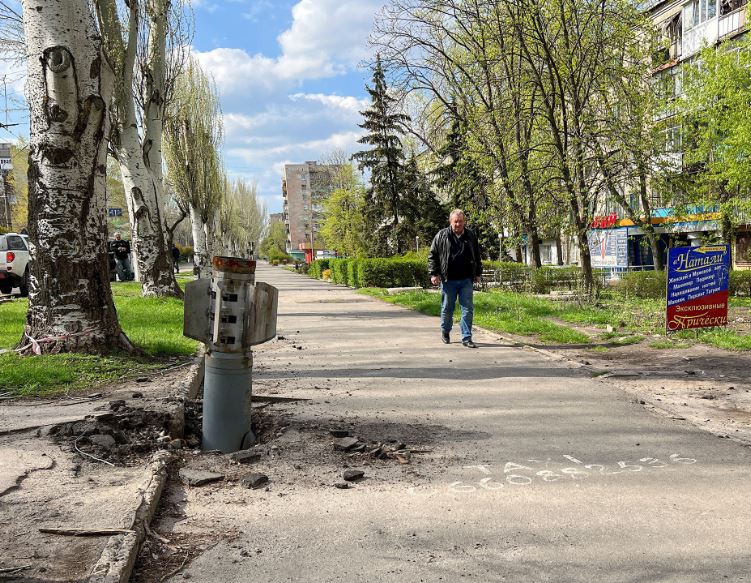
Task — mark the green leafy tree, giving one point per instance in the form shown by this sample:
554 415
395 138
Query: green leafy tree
717 130
274 245
344 228
384 199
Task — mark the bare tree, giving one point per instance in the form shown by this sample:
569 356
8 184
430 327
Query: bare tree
69 89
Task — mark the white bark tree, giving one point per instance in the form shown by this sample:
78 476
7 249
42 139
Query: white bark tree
193 140
69 88
241 219
138 51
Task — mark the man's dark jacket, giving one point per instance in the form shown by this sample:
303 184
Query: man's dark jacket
440 250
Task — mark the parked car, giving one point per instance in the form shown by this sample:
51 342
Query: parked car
14 263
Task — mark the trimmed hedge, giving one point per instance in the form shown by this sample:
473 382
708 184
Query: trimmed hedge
740 283
393 272
317 268
375 272
643 284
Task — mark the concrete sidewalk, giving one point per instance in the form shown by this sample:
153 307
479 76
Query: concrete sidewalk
524 469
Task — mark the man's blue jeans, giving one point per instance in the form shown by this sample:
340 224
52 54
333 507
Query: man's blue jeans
449 291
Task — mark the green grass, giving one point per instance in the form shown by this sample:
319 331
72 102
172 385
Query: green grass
524 315
499 311
153 324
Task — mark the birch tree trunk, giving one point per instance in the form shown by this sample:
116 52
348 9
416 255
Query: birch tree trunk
201 244
140 156
69 88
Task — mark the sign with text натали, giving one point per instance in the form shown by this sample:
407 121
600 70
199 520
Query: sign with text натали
697 287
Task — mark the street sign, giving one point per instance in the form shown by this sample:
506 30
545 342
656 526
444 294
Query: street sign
697 287
115 212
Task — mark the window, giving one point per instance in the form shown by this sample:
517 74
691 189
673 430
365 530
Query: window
697 12
673 139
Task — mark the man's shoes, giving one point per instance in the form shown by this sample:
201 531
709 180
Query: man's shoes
445 338
469 344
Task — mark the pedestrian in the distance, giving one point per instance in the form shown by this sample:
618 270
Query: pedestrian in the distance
454 263
176 257
121 249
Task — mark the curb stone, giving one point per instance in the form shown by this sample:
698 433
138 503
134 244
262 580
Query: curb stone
115 564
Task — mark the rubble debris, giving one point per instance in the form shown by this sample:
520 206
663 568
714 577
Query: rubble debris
338 432
352 475
199 477
254 480
102 440
345 443
245 456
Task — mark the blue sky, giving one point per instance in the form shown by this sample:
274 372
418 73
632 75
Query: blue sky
290 80
289 77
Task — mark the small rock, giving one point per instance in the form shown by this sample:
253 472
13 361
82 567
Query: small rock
341 485
143 380
118 404
345 443
137 395
338 432
280 338
254 480
352 475
199 477
104 441
245 456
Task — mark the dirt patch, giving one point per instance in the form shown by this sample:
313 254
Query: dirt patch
706 386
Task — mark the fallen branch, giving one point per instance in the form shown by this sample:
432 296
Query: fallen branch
86 531
176 571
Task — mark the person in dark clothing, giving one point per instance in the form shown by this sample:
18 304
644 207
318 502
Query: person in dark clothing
121 249
454 262
176 258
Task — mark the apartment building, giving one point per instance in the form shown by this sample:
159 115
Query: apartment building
304 187
686 26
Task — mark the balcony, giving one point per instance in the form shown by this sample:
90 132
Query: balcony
733 22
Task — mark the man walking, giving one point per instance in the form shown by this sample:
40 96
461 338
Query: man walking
121 248
454 262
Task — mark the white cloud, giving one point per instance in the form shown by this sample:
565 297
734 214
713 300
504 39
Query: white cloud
326 39
347 103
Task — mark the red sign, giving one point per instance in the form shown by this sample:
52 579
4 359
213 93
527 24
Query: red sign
604 221
704 312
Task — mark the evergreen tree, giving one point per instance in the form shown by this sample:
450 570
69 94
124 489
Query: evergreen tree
461 177
424 215
384 200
